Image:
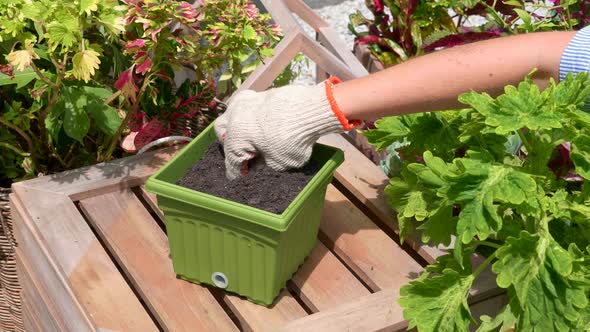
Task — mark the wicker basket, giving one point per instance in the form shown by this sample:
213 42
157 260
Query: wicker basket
10 303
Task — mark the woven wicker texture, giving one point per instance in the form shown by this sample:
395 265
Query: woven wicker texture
10 303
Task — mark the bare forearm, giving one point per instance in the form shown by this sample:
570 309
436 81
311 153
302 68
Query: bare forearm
434 81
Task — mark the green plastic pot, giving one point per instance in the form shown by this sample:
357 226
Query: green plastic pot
232 246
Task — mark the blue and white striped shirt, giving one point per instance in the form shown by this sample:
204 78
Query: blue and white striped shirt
576 57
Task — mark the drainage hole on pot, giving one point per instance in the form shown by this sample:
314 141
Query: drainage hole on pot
219 279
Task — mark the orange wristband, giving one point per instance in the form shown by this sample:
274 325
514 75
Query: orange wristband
346 124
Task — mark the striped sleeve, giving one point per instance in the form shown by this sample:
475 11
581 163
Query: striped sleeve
576 57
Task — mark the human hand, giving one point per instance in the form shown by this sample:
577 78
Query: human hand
279 125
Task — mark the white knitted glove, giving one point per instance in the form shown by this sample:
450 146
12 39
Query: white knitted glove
280 125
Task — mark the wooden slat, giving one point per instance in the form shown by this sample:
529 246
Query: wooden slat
36 303
254 317
374 256
332 41
375 312
75 269
142 250
366 182
324 283
102 178
281 15
325 59
30 322
152 201
305 13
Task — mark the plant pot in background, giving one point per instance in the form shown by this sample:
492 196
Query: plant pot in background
229 245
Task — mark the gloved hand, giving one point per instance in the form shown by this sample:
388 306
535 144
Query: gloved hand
278 125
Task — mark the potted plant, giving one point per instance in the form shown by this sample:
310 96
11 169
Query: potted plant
509 179
230 245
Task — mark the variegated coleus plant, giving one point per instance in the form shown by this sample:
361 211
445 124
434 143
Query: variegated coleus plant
167 37
76 75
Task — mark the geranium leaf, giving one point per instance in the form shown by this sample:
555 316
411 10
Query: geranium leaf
479 189
438 303
506 320
574 90
440 226
519 107
581 156
540 272
85 63
387 131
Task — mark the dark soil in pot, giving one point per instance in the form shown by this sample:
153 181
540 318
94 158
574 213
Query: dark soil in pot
262 188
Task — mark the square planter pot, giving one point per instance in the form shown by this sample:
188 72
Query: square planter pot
229 245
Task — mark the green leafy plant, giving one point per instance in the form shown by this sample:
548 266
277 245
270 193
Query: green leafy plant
55 77
525 206
77 76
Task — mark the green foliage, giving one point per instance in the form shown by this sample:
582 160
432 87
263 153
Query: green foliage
525 208
199 41
438 303
76 75
56 83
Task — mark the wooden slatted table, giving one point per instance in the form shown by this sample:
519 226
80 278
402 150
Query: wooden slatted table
93 256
